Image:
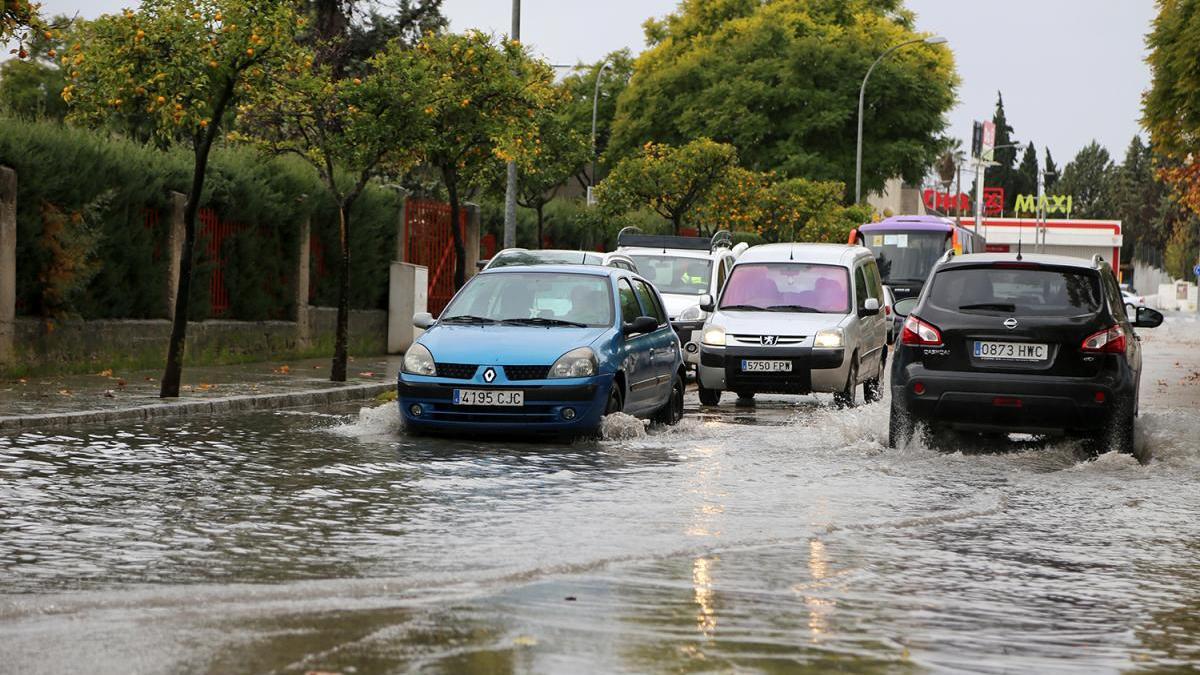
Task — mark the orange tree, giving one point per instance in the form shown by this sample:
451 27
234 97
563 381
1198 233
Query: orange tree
17 19
181 64
349 129
670 181
481 101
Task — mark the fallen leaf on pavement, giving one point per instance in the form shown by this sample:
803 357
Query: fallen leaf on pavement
121 383
65 392
149 379
284 369
23 380
524 641
367 374
107 372
108 393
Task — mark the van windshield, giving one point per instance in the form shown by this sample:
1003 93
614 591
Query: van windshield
906 256
788 287
675 274
1023 292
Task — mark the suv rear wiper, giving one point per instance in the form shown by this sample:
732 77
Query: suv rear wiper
793 308
998 306
745 308
542 321
467 318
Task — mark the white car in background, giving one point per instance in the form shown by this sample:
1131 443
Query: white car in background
510 257
1133 302
683 269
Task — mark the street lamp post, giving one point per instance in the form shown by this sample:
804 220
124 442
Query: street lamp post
510 188
980 163
931 40
595 110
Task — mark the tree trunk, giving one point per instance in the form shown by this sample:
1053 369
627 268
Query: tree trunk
175 347
676 222
541 239
460 249
337 370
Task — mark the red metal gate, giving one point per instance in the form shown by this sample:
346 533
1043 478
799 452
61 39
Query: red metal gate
431 244
213 232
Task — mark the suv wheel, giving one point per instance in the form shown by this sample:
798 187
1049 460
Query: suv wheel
710 396
846 398
672 410
900 426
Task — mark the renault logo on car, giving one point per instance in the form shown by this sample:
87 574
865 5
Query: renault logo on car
1010 323
770 340
489 375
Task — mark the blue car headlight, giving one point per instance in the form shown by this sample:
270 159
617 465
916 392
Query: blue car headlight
419 361
575 363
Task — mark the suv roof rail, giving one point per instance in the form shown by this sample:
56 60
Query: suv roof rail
627 230
1098 260
946 256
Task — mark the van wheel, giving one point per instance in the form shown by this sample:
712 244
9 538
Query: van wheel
615 402
872 388
900 426
847 397
672 410
710 396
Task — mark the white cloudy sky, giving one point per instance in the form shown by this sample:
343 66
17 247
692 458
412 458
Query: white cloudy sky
1070 70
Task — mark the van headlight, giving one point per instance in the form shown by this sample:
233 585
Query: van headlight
714 336
693 313
830 338
418 361
575 363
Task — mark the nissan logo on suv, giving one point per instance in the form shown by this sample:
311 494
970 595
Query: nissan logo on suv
1010 323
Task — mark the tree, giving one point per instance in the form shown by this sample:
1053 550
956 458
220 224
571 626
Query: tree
1089 180
31 88
558 154
482 102
581 84
1139 198
350 130
183 63
670 181
1171 108
19 18
1003 174
780 82
1051 171
1025 178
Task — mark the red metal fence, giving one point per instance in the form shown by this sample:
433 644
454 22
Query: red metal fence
431 243
212 234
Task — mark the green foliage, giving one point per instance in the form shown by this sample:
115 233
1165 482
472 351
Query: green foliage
1140 199
775 210
1090 180
1171 108
1180 255
780 81
669 181
1005 174
115 181
581 85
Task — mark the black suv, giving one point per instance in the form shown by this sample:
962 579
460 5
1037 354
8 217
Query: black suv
1037 344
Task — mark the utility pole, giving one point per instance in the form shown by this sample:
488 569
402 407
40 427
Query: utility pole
595 111
510 189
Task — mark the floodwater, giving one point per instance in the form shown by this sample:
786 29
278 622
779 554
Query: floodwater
779 538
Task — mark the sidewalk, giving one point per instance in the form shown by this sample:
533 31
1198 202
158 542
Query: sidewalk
111 396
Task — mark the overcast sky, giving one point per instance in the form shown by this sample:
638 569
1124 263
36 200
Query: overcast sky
1070 70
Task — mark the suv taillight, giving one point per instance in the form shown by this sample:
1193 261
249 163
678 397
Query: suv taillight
1108 341
918 333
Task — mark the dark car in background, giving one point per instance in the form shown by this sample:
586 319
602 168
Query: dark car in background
1036 344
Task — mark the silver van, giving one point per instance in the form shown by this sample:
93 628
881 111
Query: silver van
796 319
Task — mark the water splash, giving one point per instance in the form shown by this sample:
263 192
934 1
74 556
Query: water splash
382 420
621 427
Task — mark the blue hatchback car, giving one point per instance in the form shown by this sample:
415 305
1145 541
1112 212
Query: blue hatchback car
549 349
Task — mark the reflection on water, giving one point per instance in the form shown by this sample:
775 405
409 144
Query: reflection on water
781 538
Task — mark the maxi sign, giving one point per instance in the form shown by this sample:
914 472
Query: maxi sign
1045 204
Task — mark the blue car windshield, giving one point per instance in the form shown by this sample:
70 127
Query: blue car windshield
584 299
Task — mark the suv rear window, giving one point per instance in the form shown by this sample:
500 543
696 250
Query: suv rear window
1044 291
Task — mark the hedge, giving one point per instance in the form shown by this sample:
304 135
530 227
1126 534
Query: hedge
85 248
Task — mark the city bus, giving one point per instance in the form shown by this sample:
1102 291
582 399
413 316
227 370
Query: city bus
906 247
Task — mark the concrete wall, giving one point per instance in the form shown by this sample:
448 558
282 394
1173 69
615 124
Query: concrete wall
1147 280
84 346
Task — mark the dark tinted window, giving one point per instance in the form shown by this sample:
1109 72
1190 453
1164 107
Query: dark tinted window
861 292
1022 291
630 310
650 306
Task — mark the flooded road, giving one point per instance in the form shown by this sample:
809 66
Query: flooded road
783 537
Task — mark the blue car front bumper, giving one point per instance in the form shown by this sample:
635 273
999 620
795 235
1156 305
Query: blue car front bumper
544 411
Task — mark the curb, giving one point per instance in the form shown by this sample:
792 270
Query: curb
212 406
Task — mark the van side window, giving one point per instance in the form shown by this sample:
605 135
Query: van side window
874 284
860 287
